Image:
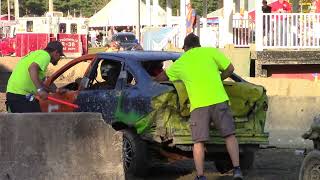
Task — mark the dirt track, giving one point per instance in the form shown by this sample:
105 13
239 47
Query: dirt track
270 164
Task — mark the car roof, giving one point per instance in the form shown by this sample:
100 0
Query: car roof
141 55
124 33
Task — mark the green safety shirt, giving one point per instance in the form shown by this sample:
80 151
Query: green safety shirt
199 69
20 81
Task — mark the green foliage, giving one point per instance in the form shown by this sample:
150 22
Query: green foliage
88 8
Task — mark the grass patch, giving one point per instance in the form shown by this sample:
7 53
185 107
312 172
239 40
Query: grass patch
96 50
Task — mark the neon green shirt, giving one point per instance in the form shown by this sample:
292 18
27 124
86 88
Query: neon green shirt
20 81
199 69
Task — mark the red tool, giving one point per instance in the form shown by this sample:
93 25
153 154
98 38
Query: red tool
63 102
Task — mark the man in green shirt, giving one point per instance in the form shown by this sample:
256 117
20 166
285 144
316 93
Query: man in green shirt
202 70
27 78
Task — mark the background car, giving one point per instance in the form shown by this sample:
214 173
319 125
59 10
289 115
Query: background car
154 116
127 40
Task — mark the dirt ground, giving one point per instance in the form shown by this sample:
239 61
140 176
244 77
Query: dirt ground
270 164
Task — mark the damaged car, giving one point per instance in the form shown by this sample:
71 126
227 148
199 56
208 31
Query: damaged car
153 116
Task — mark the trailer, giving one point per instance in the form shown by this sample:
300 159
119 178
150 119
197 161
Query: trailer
33 33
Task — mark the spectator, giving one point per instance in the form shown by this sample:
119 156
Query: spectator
191 17
93 37
281 6
266 19
317 6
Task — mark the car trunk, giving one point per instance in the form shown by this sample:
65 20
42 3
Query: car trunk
168 122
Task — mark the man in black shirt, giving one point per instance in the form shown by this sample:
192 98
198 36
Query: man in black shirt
266 19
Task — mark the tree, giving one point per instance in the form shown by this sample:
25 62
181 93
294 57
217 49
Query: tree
88 8
197 5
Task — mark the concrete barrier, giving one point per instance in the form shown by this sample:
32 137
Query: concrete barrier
59 146
288 118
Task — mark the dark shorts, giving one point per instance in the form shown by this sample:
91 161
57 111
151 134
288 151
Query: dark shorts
219 114
17 103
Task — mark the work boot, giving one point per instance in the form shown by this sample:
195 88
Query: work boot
200 178
237 174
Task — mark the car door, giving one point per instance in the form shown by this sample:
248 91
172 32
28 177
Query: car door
68 77
102 99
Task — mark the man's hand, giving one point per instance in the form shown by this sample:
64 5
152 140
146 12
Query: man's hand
42 94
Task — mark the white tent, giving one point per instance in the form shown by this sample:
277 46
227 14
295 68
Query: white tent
125 13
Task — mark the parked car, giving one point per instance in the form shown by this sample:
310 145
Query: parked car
127 40
310 168
154 116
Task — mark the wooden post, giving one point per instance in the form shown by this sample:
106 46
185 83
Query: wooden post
138 22
259 26
9 18
148 13
16 9
169 12
227 31
50 6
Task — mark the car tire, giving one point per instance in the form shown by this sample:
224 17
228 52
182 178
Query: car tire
135 155
310 168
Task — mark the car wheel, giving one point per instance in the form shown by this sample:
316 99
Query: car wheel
135 157
310 168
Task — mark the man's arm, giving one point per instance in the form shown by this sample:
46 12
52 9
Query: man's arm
227 73
34 71
162 77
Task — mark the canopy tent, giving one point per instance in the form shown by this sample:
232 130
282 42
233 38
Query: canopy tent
125 13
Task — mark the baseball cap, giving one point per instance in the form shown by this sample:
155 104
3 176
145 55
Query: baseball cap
191 40
56 45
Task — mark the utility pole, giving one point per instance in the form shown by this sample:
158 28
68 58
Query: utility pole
138 23
8 2
50 6
16 9
205 8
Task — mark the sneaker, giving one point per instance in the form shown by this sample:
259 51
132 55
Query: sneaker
200 178
237 174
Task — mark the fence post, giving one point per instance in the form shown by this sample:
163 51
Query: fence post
259 30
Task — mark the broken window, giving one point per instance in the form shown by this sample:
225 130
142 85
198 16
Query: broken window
107 74
70 79
154 68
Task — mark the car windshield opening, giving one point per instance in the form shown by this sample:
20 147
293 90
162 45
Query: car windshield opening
154 68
